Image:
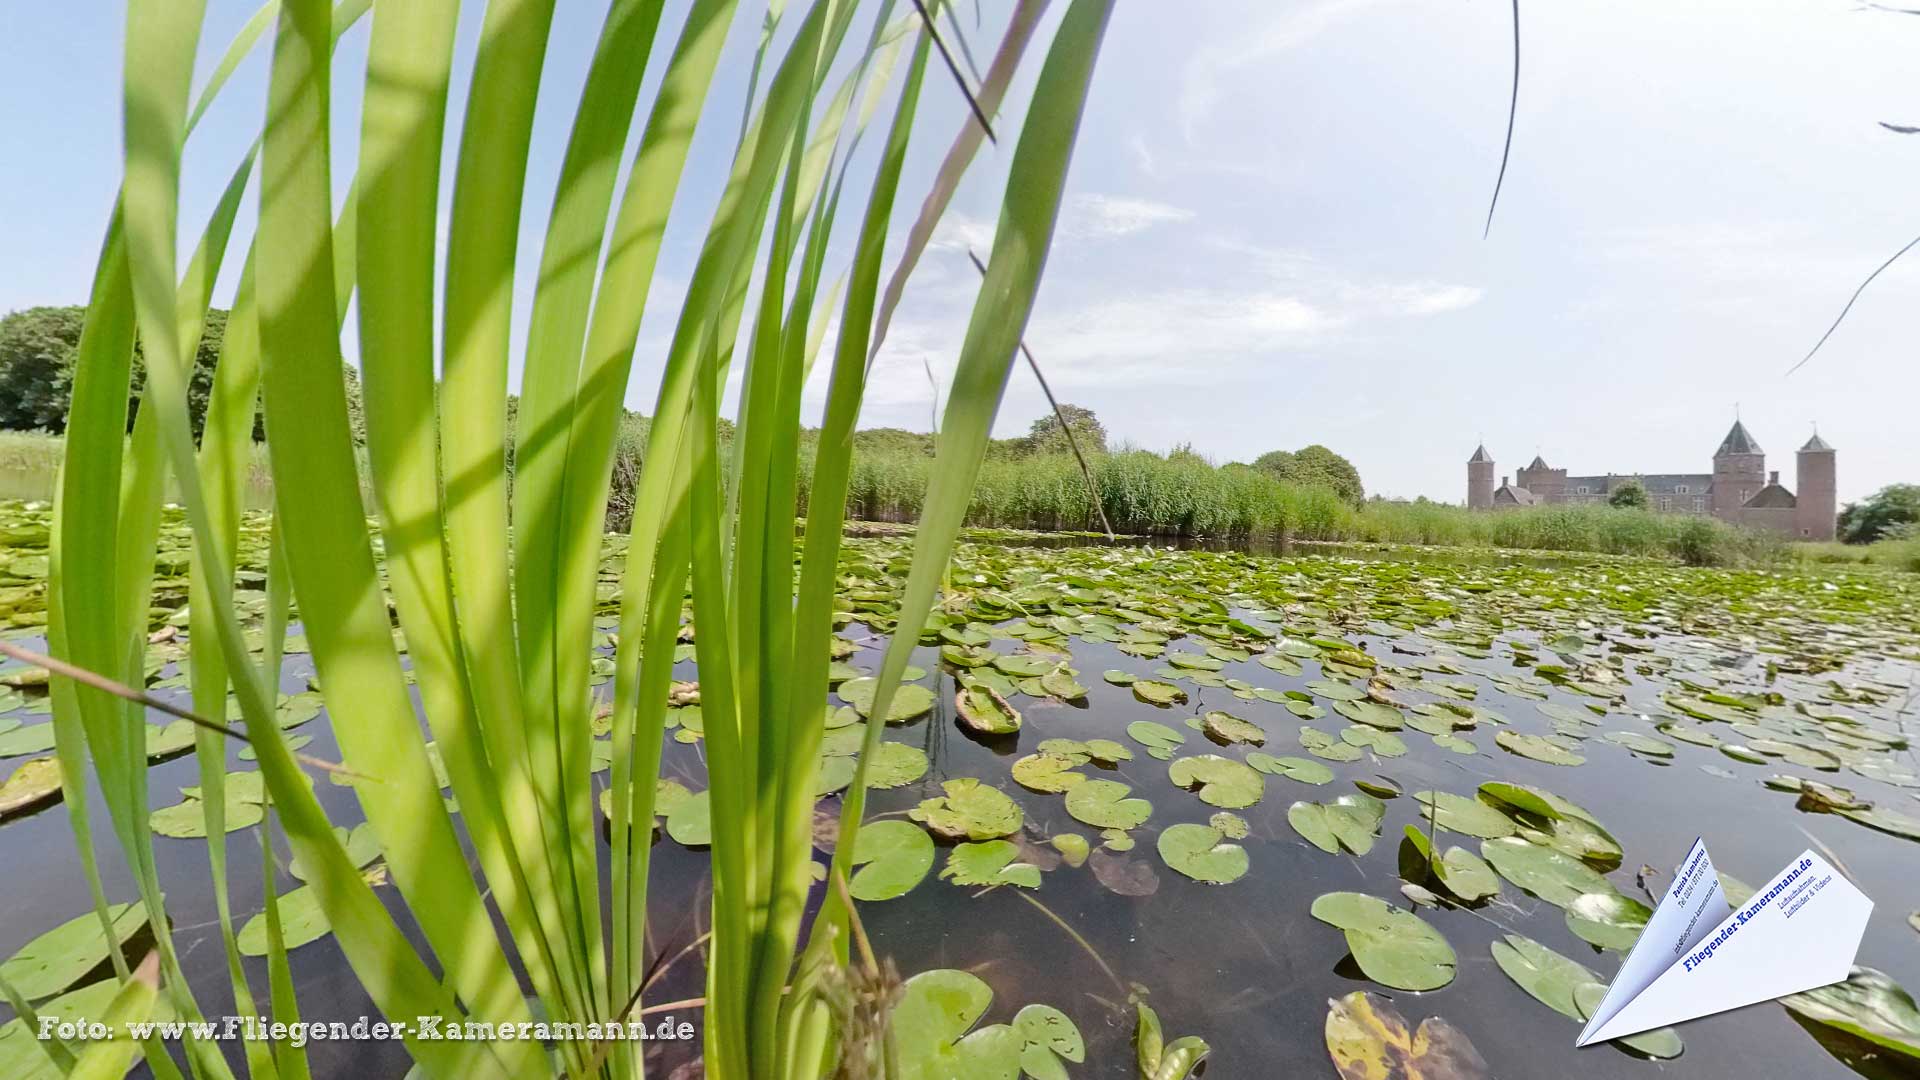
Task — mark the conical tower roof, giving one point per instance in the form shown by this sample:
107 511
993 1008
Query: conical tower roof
1816 445
1738 441
1480 456
1539 463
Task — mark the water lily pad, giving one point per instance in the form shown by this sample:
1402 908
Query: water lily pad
27 739
1886 820
690 822
1553 876
895 765
1022 665
1106 751
1123 875
931 1023
1335 691
1060 683
1371 713
1156 692
1350 821
1640 744
910 700
1610 920
32 783
1202 853
1105 804
987 863
1221 781
59 958
1461 814
1228 729
1232 826
243 805
1383 743
1393 947
1293 768
1368 1040
1047 1036
1322 745
1868 1005
985 711
1159 739
301 923
1536 747
1073 848
1550 978
1463 873
970 810
893 856
1046 772
1659 1043
1118 677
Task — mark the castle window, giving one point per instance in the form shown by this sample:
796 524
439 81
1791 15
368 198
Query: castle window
1699 505
1680 489
1583 489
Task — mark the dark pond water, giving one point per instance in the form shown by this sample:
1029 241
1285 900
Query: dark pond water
1244 965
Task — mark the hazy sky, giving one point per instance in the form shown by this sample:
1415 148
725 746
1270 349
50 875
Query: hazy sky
1273 235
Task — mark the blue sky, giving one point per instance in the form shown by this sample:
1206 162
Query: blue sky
1273 230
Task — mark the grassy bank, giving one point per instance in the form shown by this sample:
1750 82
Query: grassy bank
1149 495
1144 493
1897 554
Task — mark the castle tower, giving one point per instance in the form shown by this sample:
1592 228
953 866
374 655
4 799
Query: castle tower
1480 479
1739 472
1816 512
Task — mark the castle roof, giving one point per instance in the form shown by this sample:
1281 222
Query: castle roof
1738 441
1480 456
1816 445
1772 496
1518 496
1539 463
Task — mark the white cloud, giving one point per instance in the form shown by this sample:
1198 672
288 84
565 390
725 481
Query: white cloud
1100 217
1244 47
962 232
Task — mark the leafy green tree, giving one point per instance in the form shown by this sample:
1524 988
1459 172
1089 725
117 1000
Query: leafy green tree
1048 437
1885 511
1315 465
1629 496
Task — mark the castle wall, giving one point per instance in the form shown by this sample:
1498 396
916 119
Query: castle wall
1818 509
1776 519
1479 485
1736 478
1547 485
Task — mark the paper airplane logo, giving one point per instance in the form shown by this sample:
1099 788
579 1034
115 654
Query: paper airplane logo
1797 933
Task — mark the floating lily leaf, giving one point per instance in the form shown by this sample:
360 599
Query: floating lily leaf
1322 745
1393 947
1073 848
910 700
1553 876
361 844
1868 1005
930 1026
1228 729
1231 826
1202 853
1116 840
1192 662
1368 1040
1640 744
1335 691
32 783
1106 751
1537 747
1455 743
23 1056
59 958
1384 743
1285 665
1886 820
1104 804
1371 713
988 863
1159 1059
27 739
1046 773
243 804
1061 684
1742 753
301 922
1293 768
1305 710
1350 821
1550 978
896 856
1221 781
1461 814
1156 692
1022 665
691 821
970 810
1611 920
1119 678
1047 1036
986 711
1464 874
1159 739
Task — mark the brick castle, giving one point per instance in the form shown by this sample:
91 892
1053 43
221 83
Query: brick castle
1739 490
